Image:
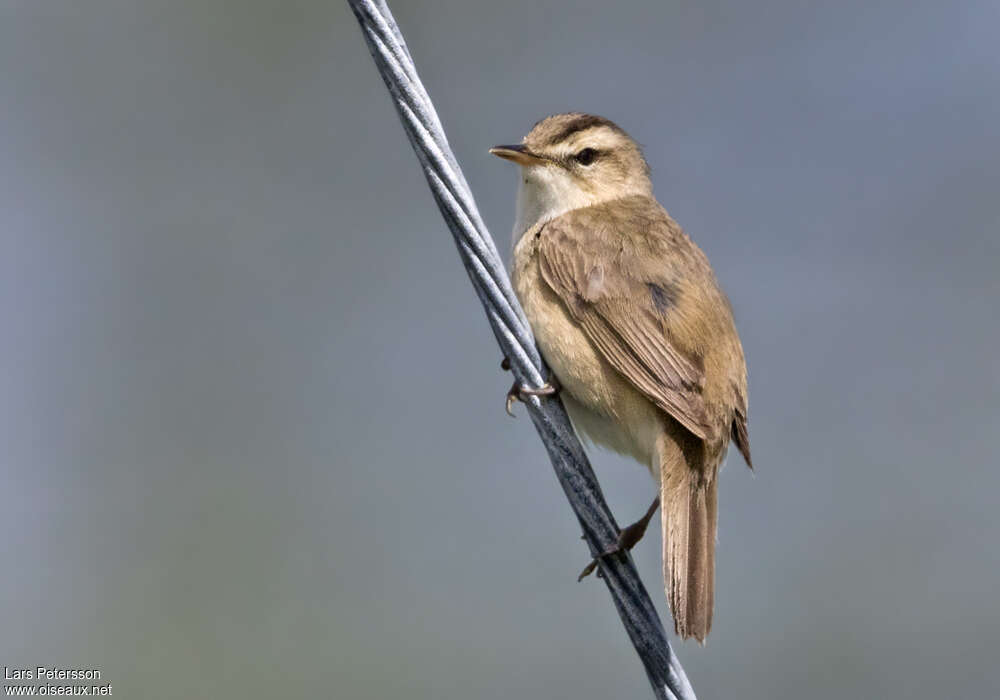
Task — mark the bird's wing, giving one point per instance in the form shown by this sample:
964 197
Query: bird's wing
739 431
621 287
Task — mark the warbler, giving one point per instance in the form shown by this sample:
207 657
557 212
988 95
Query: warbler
640 337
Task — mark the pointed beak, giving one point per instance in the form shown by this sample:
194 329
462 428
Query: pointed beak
518 154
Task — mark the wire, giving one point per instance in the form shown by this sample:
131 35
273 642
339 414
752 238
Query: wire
489 278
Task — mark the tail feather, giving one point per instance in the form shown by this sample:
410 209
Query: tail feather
689 516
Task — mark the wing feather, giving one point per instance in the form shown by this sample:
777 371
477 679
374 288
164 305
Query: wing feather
592 261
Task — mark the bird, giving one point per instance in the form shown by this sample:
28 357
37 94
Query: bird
638 335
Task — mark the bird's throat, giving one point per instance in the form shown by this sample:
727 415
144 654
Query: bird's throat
545 193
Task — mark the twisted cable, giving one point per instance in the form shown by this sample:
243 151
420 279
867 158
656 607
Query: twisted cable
489 278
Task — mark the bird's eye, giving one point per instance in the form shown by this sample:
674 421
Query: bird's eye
586 156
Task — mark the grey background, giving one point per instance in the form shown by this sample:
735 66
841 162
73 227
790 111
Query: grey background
253 442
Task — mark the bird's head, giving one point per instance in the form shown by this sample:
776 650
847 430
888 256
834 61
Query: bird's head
575 160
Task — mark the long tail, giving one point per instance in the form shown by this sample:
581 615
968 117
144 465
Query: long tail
689 512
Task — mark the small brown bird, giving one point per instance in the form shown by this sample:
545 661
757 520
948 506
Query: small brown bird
631 320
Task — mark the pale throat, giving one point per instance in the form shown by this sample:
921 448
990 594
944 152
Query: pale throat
545 193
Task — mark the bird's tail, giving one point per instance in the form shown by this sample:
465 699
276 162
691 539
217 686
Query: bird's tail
689 500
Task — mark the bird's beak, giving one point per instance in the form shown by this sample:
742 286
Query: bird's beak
517 153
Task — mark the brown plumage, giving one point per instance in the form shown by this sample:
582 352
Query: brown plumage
629 316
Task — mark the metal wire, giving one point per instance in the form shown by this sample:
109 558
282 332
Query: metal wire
489 278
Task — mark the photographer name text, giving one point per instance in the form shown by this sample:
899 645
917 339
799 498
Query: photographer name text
45 673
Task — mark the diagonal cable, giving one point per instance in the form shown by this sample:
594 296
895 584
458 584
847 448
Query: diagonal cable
489 278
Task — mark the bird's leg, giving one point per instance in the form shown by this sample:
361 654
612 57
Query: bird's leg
518 391
627 539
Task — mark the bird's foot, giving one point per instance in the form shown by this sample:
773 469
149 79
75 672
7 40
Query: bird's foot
518 391
627 539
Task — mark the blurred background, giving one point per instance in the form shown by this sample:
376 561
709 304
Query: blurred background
252 439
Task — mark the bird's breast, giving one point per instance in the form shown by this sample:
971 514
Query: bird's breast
604 407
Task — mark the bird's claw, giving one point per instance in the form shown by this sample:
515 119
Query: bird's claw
588 570
511 398
518 391
627 539
619 548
